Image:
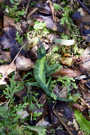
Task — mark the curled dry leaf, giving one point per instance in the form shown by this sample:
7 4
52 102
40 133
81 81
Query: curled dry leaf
67 72
23 64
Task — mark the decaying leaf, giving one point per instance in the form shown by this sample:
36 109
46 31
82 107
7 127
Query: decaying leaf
85 59
67 72
7 69
8 21
23 63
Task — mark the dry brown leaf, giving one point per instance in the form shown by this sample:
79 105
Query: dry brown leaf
7 69
85 61
85 67
23 64
8 21
79 107
67 72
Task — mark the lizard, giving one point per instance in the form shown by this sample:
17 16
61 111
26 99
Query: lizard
40 73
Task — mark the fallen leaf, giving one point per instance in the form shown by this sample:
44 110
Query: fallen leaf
8 21
85 61
79 107
67 72
23 63
68 61
85 67
7 69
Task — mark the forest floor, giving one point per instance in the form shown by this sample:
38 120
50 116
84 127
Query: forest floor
44 67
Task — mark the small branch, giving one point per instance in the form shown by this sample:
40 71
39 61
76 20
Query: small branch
52 10
6 73
62 122
32 12
27 7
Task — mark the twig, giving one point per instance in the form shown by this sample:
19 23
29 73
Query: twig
62 122
52 10
82 4
27 7
32 12
6 73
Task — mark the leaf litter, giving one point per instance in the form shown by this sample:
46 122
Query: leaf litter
44 64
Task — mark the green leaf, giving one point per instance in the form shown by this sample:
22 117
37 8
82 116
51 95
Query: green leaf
57 6
83 123
40 130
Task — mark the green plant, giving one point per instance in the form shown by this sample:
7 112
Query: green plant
67 82
57 7
53 56
66 17
9 120
14 12
83 123
40 130
39 31
19 38
12 88
13 1
31 99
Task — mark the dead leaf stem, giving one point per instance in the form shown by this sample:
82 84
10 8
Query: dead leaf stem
63 123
